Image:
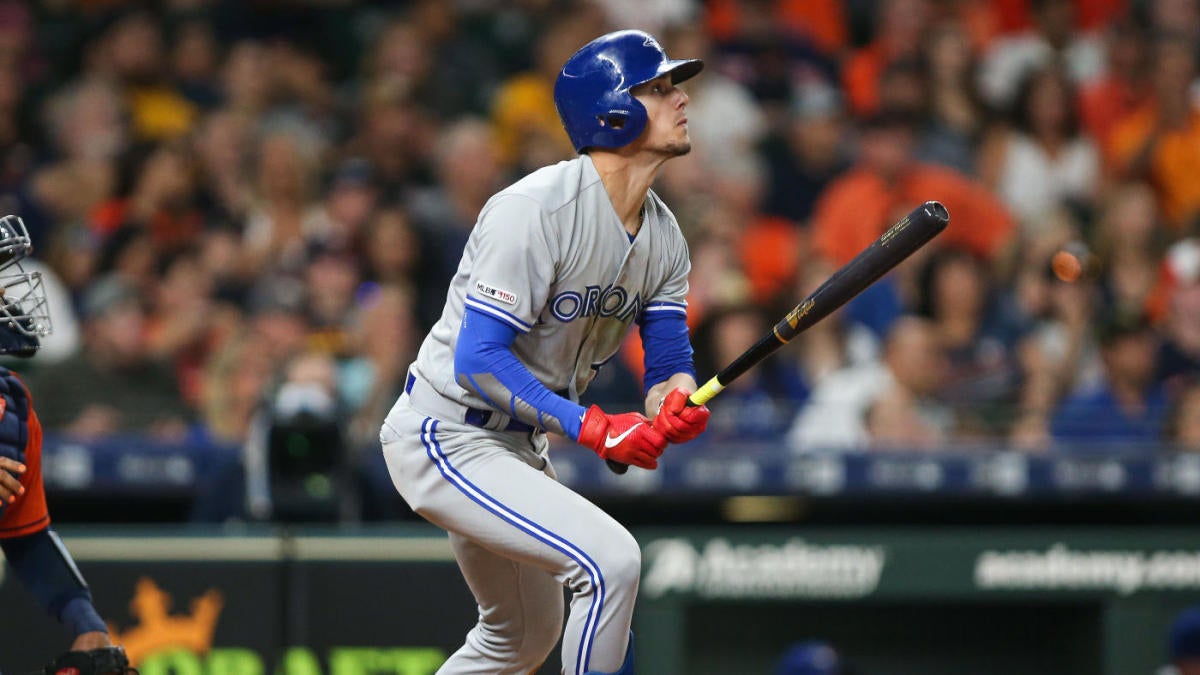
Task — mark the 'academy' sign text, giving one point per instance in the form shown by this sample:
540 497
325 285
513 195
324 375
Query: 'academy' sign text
1060 568
793 569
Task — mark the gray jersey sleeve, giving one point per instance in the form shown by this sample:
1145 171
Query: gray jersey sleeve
513 270
672 294
514 262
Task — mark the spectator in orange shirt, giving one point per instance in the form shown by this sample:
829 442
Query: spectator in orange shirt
1160 143
1118 93
887 183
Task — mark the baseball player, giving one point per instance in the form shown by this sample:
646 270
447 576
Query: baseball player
557 269
37 556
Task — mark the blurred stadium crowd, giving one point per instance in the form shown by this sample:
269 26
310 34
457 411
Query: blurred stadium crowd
230 198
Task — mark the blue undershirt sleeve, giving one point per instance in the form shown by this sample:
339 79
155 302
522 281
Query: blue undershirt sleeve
43 565
667 347
484 364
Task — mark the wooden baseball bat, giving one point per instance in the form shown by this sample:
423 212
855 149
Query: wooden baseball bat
897 243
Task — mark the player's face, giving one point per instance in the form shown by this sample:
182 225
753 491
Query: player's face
666 111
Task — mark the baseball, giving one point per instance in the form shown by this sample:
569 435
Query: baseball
1067 267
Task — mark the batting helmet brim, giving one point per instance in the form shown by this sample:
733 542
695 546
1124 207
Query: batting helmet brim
681 70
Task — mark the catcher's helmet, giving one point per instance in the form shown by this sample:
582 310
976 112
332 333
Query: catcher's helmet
24 316
592 91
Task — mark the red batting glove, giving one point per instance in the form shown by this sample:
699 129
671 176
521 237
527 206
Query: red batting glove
678 421
628 438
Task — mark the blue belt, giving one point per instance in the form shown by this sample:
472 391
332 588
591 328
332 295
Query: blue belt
479 417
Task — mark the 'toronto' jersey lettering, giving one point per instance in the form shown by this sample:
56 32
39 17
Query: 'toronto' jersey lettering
611 301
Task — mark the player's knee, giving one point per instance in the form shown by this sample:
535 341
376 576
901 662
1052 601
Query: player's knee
621 564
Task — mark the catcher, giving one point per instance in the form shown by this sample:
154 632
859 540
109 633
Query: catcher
35 552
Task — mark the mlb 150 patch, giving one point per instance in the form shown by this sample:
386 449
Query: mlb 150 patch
495 293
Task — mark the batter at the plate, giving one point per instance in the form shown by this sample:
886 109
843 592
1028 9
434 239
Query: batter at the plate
558 268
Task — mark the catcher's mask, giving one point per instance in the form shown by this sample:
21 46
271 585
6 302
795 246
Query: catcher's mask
24 313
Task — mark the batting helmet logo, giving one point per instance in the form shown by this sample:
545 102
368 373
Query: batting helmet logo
592 92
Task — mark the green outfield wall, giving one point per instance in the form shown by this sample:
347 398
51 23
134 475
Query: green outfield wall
713 599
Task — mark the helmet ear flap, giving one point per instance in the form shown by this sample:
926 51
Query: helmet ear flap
612 120
622 124
634 121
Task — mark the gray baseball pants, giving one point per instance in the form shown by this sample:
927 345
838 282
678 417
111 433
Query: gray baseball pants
519 537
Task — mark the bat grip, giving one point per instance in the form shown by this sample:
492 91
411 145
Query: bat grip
697 399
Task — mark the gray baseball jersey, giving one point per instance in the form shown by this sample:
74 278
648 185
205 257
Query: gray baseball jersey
549 257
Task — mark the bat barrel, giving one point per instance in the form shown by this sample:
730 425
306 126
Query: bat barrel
897 243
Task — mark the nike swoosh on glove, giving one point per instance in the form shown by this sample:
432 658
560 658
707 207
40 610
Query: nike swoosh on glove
678 421
628 438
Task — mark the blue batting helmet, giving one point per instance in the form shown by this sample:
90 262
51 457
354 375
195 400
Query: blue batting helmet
592 91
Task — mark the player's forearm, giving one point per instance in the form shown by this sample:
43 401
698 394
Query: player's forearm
658 392
484 364
43 565
668 356
508 387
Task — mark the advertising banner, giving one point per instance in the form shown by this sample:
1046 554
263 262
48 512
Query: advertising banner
917 601
256 606
713 600
975 563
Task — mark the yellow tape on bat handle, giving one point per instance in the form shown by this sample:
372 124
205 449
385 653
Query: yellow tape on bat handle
705 393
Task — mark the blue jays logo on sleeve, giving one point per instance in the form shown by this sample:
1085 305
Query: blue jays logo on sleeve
607 302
